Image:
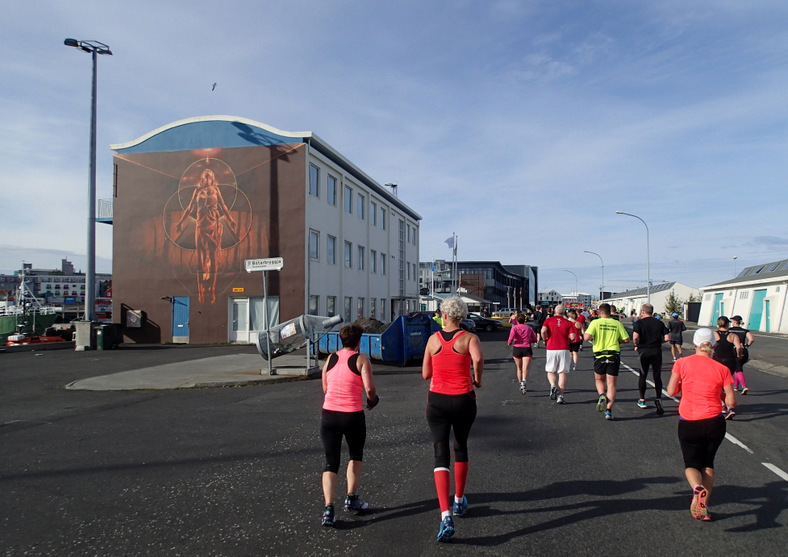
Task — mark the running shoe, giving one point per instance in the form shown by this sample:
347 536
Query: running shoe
698 506
642 404
458 509
523 390
446 529
609 415
560 399
729 414
328 516
354 504
553 392
601 403
745 390
658 404
574 367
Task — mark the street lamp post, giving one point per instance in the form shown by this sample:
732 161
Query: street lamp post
602 286
577 294
648 256
94 48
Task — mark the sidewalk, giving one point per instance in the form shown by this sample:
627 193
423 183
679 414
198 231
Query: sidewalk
232 370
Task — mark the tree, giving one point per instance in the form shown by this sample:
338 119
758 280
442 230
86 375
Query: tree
674 304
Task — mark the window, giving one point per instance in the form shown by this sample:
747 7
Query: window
361 258
331 248
348 199
383 309
362 205
383 218
373 213
331 306
409 233
331 190
372 307
382 263
314 239
360 308
373 262
414 241
348 309
348 255
314 304
314 180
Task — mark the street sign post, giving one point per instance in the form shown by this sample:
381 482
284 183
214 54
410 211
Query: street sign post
265 265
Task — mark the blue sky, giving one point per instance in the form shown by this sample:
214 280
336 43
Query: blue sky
520 125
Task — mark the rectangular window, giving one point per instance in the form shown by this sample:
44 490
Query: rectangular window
373 261
373 307
415 241
373 213
382 263
382 309
348 199
361 258
314 304
348 309
331 306
331 250
348 255
409 233
314 239
362 205
331 190
359 308
314 180
383 218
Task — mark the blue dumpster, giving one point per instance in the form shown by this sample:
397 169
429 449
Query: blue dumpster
402 341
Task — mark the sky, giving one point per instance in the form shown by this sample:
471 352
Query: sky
521 126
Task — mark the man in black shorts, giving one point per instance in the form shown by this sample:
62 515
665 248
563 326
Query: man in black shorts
648 336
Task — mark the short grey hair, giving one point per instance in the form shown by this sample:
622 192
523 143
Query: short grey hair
454 308
559 309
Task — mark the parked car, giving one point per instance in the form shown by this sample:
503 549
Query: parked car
466 324
483 323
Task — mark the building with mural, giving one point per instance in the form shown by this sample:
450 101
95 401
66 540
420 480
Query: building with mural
195 199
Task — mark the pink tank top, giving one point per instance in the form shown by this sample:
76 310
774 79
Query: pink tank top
344 386
451 371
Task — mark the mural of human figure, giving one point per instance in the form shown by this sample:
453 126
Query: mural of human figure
207 208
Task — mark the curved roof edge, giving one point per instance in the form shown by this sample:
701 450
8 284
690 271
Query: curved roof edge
217 118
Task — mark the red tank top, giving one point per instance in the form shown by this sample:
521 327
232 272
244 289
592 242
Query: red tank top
344 386
451 371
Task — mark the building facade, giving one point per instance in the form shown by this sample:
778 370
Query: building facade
626 302
758 293
197 198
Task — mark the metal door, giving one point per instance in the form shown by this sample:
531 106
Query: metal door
180 319
719 308
239 320
756 310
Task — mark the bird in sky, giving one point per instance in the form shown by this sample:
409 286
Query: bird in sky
214 87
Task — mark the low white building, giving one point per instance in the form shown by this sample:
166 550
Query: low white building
581 298
758 294
630 300
549 298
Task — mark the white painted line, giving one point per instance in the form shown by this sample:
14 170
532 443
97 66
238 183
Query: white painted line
735 441
776 470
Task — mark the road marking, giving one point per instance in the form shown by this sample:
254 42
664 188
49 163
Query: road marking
778 471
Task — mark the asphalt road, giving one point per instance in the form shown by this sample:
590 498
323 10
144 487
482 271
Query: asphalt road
235 471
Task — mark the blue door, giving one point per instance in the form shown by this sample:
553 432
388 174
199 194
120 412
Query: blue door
719 307
756 310
180 319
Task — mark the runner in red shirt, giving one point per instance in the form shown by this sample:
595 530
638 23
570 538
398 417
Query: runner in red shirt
558 332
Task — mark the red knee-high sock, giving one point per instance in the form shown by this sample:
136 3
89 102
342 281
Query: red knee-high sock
460 478
442 481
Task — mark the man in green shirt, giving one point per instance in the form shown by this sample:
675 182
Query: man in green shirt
607 335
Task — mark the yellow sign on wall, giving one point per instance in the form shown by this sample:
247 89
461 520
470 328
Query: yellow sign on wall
237 289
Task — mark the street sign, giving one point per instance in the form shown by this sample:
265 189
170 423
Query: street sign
270 264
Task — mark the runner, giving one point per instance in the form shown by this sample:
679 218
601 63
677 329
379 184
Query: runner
607 335
522 337
746 339
451 405
676 327
346 375
700 380
558 332
727 350
576 345
648 335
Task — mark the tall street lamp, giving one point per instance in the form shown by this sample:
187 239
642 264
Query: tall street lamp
648 257
94 48
577 294
602 286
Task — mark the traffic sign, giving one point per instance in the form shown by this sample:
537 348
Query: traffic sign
270 264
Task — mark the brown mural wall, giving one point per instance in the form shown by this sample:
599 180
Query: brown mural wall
185 222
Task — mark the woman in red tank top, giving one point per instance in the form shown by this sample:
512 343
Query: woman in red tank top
454 363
